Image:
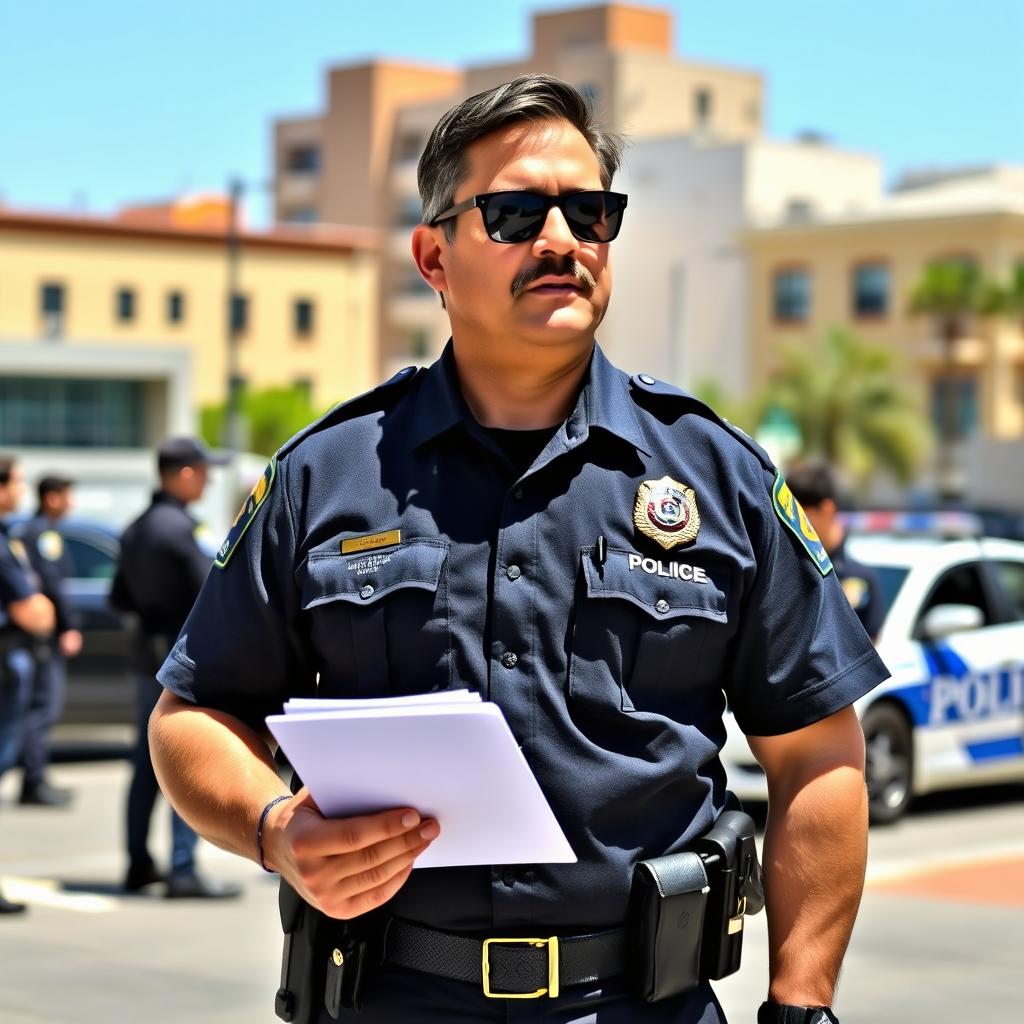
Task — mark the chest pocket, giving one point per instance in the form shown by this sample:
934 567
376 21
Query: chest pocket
640 627
379 620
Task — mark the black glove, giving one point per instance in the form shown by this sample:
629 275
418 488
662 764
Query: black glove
771 1012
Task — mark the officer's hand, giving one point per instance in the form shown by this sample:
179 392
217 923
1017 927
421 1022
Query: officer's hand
344 866
70 643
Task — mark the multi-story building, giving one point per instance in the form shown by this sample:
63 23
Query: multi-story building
679 306
355 163
856 269
114 330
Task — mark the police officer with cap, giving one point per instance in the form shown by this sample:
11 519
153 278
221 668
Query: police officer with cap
164 559
813 484
600 556
26 618
46 550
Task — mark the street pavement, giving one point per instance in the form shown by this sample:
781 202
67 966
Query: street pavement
939 938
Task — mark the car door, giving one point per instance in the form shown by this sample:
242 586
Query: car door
99 680
973 727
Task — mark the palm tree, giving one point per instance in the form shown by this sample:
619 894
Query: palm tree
850 408
951 292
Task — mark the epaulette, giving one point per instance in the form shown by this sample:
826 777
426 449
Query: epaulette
374 398
647 385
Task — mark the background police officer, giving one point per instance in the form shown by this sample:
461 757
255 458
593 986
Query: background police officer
44 545
525 502
26 617
164 560
813 483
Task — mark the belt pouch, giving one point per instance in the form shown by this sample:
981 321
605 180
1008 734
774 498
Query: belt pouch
666 920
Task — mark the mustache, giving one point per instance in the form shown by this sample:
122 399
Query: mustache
555 267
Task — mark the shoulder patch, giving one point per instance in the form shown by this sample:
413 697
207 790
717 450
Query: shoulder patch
246 514
792 514
350 407
50 545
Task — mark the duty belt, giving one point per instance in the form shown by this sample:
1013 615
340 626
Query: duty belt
508 968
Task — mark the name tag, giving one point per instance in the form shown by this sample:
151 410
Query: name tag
371 541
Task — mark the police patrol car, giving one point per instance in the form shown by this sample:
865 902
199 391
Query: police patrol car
952 714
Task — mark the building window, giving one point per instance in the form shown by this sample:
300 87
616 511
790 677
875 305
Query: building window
239 313
409 145
303 322
304 159
301 215
791 295
962 391
419 343
871 288
702 101
175 307
409 212
124 305
51 306
59 412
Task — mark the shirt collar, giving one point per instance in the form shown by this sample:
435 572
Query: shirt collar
603 402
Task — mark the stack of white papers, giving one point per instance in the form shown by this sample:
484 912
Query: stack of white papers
449 754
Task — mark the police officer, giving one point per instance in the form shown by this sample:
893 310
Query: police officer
164 560
813 484
598 555
26 617
44 545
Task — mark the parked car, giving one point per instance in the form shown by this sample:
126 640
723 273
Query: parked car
100 688
952 714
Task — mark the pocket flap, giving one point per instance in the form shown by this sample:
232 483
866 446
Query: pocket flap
666 588
367 576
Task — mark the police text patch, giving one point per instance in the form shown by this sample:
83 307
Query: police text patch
246 514
790 512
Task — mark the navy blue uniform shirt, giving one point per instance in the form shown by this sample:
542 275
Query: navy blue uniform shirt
162 566
46 550
17 582
863 589
613 675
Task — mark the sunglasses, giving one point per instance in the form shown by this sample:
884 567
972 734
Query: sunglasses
519 216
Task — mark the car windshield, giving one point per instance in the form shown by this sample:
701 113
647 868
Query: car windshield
891 578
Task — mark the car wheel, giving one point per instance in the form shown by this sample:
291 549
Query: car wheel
889 748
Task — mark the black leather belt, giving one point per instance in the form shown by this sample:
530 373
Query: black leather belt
517 968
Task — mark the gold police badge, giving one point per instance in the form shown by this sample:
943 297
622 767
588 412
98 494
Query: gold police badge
666 511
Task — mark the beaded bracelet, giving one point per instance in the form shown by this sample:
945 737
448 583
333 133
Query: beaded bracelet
259 828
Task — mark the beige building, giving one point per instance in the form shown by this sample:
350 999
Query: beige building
856 270
114 331
156 278
355 162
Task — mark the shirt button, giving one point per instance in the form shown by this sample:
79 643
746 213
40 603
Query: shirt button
510 659
509 878
646 379
661 607
513 572
517 493
366 592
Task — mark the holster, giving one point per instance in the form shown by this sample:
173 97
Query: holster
325 963
686 910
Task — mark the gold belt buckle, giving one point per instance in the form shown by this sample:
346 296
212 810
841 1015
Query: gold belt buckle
551 991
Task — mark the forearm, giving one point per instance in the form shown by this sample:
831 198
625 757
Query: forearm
217 772
815 851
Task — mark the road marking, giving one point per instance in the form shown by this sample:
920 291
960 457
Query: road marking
47 892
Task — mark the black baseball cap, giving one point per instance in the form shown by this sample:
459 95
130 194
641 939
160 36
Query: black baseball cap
177 452
53 482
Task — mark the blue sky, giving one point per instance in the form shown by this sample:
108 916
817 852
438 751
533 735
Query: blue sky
110 102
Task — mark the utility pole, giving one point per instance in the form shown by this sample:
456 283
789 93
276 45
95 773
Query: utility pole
233 417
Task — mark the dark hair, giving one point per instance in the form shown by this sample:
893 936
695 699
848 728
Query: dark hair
812 483
7 463
52 484
527 98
